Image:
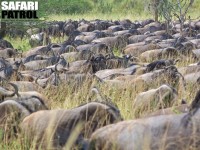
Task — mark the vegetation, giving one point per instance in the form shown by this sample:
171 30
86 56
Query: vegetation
68 96
110 9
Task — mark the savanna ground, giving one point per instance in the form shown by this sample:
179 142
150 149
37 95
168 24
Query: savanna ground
66 96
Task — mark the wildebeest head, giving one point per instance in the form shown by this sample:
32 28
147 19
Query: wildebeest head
174 76
160 64
94 64
172 71
178 41
69 28
17 65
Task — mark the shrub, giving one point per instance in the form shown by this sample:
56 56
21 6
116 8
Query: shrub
65 7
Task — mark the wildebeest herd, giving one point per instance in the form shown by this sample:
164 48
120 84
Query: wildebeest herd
120 54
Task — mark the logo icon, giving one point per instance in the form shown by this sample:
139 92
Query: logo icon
19 10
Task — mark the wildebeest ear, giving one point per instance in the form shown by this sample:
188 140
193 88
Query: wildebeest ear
16 89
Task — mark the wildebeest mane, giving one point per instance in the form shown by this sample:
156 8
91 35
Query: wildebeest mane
20 101
25 106
41 101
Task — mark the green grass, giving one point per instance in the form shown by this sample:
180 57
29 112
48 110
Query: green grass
68 96
92 16
19 44
119 10
24 43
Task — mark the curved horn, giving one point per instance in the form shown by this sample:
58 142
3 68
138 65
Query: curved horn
7 93
16 89
36 80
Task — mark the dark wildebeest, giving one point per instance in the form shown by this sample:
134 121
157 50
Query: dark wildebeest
94 64
5 44
160 64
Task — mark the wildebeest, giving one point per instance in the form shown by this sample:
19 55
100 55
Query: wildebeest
26 86
69 26
160 64
39 64
87 27
94 64
136 38
11 113
58 125
136 50
168 75
8 53
5 44
192 78
189 69
91 51
178 131
41 50
183 108
168 52
153 99
113 42
113 62
112 73
33 100
13 110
